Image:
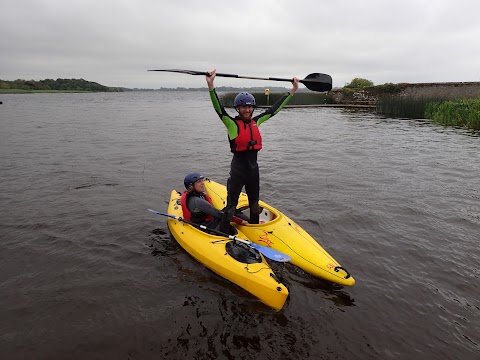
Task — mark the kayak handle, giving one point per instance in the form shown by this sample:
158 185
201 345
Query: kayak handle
341 268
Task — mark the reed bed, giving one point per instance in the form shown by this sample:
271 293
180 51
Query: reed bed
407 107
464 113
461 112
301 98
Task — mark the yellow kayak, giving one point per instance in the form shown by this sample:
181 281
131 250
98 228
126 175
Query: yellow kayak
279 232
233 260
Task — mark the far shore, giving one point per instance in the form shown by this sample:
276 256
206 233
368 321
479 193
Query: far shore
21 91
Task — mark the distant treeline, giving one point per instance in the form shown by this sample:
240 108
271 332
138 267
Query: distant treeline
55 85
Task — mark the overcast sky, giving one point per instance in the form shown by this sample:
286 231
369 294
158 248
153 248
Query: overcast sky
114 42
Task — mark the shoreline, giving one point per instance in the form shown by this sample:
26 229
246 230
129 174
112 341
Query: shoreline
352 106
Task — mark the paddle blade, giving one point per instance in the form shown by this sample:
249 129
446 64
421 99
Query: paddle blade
271 253
318 82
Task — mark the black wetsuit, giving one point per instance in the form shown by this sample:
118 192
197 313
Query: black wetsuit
200 208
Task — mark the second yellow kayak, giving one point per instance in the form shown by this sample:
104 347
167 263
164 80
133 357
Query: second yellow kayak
284 235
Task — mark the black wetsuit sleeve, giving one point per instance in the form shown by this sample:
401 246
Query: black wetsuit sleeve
273 110
198 204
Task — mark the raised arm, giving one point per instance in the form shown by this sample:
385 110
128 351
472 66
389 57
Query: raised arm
275 108
219 109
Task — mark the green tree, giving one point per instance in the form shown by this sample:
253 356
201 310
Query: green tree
359 83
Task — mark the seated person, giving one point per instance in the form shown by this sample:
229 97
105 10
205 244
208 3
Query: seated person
197 205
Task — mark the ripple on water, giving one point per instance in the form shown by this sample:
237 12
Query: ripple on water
86 270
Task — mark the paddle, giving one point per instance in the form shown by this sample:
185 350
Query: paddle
315 81
266 251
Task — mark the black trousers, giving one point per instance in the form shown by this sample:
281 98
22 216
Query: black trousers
244 172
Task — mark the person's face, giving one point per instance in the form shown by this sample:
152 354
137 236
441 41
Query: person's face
199 186
245 111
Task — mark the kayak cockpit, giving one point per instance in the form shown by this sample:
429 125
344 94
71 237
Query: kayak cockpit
243 253
266 214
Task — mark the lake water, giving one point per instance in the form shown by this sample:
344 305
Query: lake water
87 273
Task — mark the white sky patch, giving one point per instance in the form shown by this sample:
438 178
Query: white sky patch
115 42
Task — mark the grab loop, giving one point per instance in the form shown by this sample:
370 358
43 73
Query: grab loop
341 268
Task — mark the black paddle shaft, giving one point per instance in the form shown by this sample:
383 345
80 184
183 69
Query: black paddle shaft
315 81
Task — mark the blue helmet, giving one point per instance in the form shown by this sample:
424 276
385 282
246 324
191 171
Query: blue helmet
244 99
191 178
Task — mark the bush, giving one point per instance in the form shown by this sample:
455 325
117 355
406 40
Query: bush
388 88
359 83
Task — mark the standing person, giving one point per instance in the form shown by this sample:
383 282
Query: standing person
245 142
